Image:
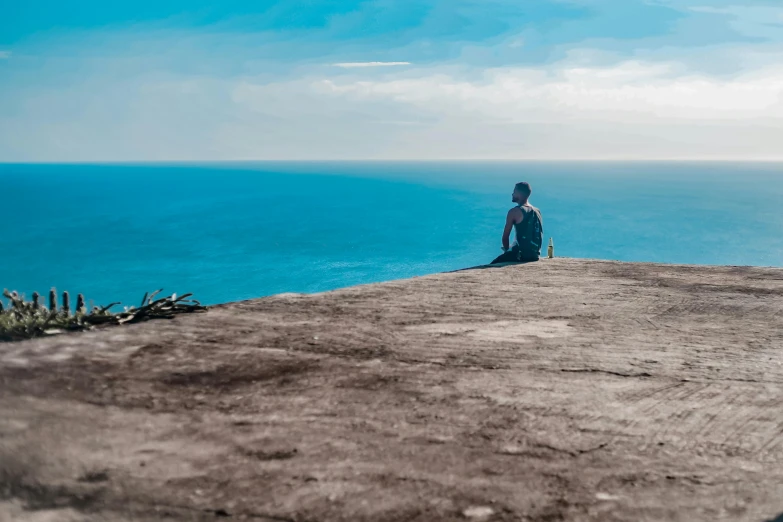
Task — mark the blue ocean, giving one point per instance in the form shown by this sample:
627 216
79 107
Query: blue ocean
233 231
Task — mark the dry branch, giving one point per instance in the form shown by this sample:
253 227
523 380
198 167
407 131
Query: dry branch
26 319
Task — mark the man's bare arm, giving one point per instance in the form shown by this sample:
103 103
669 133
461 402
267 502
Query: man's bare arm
510 221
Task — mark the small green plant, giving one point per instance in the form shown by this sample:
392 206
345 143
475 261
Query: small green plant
22 319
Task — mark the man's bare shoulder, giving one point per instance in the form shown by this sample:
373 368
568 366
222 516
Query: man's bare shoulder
515 214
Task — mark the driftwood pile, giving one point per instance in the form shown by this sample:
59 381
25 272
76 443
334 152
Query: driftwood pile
22 319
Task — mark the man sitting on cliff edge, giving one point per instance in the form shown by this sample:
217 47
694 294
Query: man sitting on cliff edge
526 220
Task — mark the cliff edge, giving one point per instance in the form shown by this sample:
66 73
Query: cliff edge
560 390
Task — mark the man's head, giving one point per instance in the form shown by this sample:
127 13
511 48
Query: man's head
521 193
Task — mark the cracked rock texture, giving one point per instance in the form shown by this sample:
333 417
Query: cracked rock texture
559 390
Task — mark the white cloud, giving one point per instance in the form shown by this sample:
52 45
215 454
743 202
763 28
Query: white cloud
631 110
353 65
637 109
630 91
4 55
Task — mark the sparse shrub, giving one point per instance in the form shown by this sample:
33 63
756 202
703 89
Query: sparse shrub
22 319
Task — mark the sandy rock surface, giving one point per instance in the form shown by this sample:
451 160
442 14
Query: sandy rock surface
561 390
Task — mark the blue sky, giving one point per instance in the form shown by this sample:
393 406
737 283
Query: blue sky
390 79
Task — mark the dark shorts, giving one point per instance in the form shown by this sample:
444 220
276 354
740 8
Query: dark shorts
514 256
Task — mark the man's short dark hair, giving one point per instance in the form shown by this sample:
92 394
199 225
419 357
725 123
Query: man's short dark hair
523 187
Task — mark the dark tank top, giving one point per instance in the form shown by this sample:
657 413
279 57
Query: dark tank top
529 232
